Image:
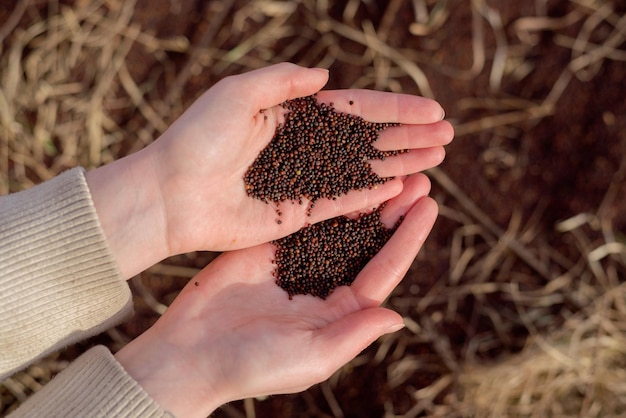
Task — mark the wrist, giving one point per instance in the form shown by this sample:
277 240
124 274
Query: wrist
179 387
130 211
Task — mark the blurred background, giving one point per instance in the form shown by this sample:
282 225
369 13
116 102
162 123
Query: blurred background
516 306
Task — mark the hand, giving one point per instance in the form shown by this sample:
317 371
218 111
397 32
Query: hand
185 192
232 333
204 156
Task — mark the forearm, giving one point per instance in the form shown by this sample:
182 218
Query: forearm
94 385
58 280
177 385
130 209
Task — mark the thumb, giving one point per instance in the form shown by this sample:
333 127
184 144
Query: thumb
348 336
273 85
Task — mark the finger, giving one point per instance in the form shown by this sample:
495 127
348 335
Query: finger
416 187
412 162
346 337
415 136
383 273
273 85
378 106
355 200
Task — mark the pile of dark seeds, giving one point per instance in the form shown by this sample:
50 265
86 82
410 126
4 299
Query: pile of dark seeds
320 153
317 153
320 257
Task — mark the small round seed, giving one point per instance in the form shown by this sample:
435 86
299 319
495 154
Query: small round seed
323 256
316 153
321 153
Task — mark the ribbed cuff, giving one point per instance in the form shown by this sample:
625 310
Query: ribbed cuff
94 385
59 282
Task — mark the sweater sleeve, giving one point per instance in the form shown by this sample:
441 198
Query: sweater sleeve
59 282
94 385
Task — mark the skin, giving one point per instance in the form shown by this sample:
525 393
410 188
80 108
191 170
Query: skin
185 191
232 333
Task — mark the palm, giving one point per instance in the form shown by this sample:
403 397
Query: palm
213 211
233 324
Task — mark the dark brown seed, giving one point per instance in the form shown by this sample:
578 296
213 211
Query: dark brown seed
320 153
316 153
323 256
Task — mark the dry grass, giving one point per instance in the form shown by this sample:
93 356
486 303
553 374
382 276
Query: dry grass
85 82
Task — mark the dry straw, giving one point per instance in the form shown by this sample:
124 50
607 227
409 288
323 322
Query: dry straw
70 95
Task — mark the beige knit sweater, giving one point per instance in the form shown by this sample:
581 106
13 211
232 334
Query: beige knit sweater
59 284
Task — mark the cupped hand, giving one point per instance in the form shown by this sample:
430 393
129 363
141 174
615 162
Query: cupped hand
233 333
185 192
201 160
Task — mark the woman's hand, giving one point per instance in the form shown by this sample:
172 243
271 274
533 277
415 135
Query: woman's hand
185 192
204 156
233 333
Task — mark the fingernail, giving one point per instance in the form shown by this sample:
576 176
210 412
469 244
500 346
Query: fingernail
443 114
324 70
395 328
